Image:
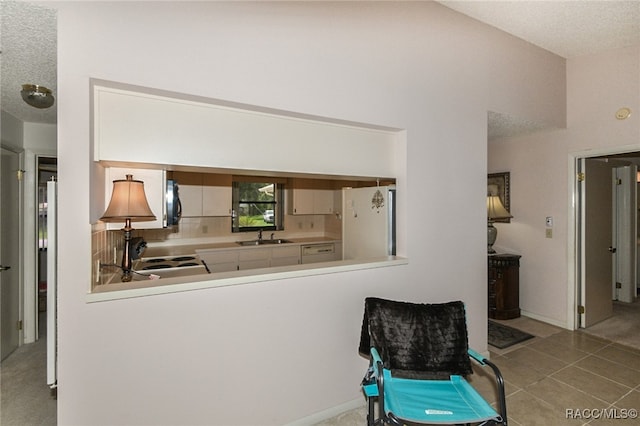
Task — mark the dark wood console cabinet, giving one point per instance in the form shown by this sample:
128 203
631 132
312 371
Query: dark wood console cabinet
504 286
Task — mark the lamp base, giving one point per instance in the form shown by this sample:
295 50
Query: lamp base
126 253
492 234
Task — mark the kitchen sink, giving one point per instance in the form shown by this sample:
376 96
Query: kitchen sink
262 242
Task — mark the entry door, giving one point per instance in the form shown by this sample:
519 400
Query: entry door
9 253
597 227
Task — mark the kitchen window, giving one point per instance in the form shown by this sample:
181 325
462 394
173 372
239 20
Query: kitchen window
258 204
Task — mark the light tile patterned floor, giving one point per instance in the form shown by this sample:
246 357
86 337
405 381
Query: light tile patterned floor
557 378
570 378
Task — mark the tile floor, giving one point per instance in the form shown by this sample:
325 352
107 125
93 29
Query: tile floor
566 378
549 378
557 378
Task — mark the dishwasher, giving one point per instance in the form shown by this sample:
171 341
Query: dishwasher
312 253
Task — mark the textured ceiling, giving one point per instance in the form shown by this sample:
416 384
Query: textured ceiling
567 28
28 43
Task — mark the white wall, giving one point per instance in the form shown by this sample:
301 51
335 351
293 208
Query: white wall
597 85
274 352
12 130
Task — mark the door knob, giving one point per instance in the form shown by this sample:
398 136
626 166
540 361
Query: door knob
4 268
612 249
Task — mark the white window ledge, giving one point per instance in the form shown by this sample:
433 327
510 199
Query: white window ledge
120 290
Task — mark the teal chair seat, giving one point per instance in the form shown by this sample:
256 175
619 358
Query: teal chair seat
452 401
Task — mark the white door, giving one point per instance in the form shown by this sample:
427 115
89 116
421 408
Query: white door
625 234
597 262
9 252
52 284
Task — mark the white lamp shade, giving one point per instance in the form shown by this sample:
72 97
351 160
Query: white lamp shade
128 201
495 209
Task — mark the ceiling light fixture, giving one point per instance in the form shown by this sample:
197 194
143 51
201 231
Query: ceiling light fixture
37 96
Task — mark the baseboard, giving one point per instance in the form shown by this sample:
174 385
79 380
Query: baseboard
328 413
545 319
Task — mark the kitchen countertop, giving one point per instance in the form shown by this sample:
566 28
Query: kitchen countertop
119 290
185 249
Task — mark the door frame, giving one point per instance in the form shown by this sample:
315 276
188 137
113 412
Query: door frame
20 251
574 242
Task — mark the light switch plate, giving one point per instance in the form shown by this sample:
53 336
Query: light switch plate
549 222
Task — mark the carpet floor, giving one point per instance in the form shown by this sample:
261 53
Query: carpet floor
623 327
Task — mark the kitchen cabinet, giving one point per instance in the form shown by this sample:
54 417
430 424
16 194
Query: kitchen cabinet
319 252
254 258
250 258
220 261
154 189
308 196
204 194
504 286
285 256
323 201
191 200
130 125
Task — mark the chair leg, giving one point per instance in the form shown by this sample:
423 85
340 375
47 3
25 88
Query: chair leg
370 412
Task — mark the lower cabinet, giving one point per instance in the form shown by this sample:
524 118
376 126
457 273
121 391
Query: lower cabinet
243 259
504 286
254 258
219 261
285 256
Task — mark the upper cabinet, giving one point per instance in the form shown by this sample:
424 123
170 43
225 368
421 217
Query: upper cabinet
154 188
144 125
204 194
310 196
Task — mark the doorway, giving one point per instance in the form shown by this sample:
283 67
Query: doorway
593 230
47 170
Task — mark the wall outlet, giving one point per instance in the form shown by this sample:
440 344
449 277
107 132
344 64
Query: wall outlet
205 229
549 233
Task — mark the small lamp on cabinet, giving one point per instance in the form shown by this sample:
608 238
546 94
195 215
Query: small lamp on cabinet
128 204
495 210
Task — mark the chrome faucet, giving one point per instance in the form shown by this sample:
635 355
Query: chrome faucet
260 235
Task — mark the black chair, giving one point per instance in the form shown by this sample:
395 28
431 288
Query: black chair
419 357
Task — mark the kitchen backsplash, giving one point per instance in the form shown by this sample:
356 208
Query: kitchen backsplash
106 246
220 227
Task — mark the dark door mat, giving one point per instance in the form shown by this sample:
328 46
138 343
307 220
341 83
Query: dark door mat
502 336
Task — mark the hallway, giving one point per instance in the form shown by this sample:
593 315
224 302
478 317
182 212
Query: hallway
623 327
25 397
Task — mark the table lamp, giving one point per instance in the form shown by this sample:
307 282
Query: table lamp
128 204
495 210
